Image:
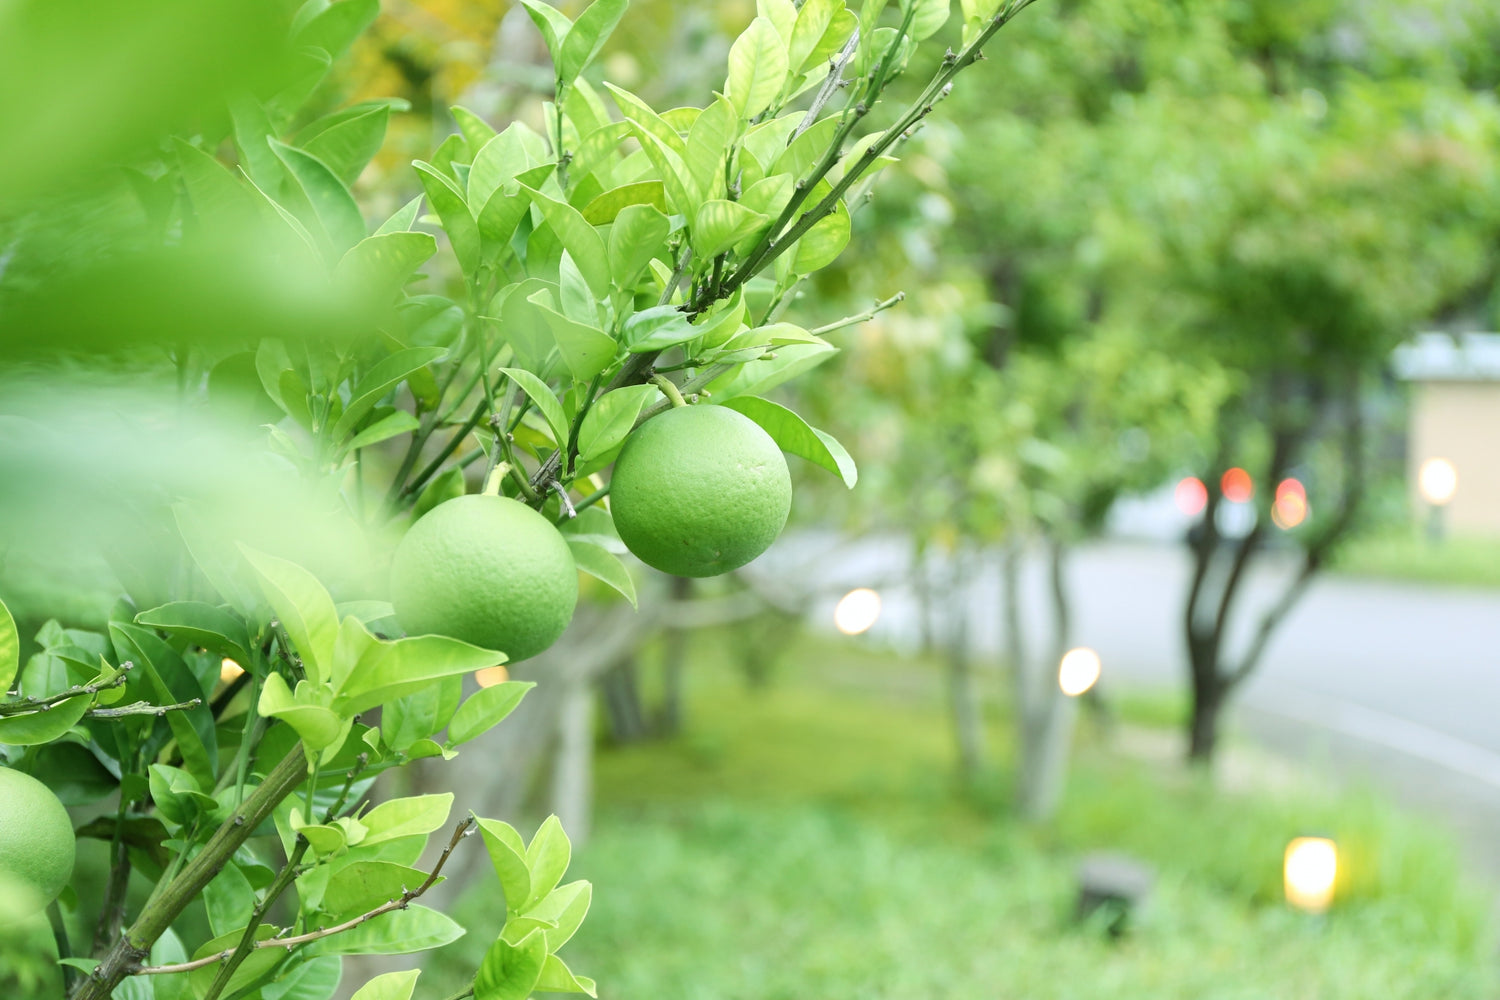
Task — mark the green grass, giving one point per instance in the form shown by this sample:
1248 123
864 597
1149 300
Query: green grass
808 841
1410 555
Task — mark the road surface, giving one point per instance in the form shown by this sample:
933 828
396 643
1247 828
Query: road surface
1394 683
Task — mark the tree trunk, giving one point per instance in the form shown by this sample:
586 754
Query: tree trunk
1046 726
1203 734
963 695
674 653
573 764
622 702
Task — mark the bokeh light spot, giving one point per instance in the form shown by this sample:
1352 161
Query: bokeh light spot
1311 869
1237 486
857 611
1438 481
1191 496
1078 671
490 676
229 671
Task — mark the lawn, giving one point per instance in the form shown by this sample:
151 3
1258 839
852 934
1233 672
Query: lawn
808 841
1404 554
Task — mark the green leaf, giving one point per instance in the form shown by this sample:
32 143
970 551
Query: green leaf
546 402
336 27
646 119
43 727
508 855
313 980
558 978
812 21
228 898
258 963
793 435
303 607
610 420
565 907
821 245
930 17
604 209
361 886
757 68
376 268
446 485
333 207
204 625
585 350
475 130
390 986
683 194
709 142
414 717
391 669
759 376
498 161
657 328
638 235
553 24
587 37
10 649
318 726
406 816
603 566
720 224
404 218
582 240
399 932
171 681
458 221
484 709
348 146
547 857
511 971
380 381
387 427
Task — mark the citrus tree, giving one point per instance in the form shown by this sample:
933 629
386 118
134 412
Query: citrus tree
608 295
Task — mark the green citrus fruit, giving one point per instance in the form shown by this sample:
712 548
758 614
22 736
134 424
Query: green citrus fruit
699 491
36 841
488 570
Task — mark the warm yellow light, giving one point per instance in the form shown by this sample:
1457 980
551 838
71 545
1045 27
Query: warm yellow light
857 611
1078 671
490 676
1312 867
1438 481
1289 510
229 670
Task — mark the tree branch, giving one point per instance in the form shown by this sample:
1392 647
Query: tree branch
401 902
141 708
26 706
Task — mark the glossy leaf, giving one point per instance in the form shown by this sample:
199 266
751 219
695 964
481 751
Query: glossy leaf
585 350
390 986
546 402
399 932
403 219
501 159
558 978
600 564
376 268
406 816
636 237
587 37
720 224
610 420
387 427
511 971
757 68
380 381
333 207
204 625
795 436
10 649
582 240
475 130
302 606
390 669
348 146
361 886
553 24
547 856
484 709
458 221
508 855
565 907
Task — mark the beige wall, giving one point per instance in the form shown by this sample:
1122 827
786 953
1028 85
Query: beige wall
1460 421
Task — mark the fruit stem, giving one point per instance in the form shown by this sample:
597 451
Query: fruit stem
494 479
669 389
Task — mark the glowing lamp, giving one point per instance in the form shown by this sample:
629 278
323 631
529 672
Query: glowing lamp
1078 671
1237 486
1309 873
1438 481
857 611
1191 496
229 671
490 676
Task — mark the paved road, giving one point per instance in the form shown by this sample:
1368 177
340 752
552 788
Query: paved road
1396 683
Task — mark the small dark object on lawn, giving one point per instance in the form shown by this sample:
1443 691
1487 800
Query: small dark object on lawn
1114 883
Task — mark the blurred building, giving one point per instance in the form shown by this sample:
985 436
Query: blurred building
1455 415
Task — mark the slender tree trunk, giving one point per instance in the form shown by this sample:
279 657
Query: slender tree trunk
1047 732
1203 732
674 654
963 694
573 765
622 701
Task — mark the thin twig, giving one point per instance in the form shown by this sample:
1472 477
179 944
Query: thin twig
831 85
25 706
399 903
868 314
141 708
